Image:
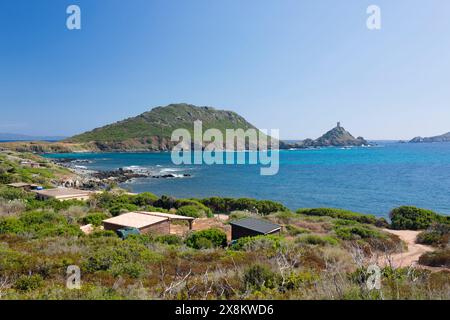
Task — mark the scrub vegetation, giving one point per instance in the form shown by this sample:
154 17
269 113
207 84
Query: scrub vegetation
319 254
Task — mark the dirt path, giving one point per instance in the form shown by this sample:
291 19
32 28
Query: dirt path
411 256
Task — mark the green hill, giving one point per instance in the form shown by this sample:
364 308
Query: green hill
152 130
338 136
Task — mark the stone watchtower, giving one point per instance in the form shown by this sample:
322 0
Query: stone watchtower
338 125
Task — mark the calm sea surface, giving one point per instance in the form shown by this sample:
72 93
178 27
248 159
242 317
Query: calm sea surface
370 180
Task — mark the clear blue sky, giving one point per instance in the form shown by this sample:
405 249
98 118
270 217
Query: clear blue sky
296 65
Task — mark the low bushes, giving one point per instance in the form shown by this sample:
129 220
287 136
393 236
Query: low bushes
103 233
118 209
119 257
294 230
144 199
11 207
226 205
315 239
170 239
167 202
437 235
439 258
95 219
207 239
413 218
28 283
9 193
356 232
155 209
53 204
12 262
258 276
265 242
191 211
341 214
38 224
119 203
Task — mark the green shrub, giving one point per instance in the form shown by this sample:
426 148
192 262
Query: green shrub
295 280
28 283
58 230
41 217
439 258
202 210
119 203
226 205
11 225
53 204
293 230
39 224
190 211
120 258
413 218
259 276
12 262
165 202
144 199
339 213
382 223
284 216
143 238
356 232
429 238
9 193
103 233
155 209
268 242
170 239
217 237
118 209
437 235
95 219
203 243
315 239
343 222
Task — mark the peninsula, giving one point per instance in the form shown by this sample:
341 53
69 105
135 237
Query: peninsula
442 138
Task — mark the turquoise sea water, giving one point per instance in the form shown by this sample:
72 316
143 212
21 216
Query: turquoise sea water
370 180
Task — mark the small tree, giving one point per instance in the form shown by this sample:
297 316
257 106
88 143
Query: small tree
201 239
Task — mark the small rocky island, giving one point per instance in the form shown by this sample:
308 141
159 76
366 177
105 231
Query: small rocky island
442 138
336 137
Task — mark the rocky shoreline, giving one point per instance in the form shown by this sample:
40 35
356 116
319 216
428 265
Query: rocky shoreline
94 180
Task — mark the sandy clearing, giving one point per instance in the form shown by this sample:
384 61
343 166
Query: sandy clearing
411 256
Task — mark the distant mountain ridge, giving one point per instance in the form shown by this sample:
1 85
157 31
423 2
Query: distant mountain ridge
442 138
336 137
152 130
23 137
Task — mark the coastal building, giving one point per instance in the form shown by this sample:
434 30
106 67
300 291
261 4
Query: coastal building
250 227
30 164
145 222
171 217
63 194
24 186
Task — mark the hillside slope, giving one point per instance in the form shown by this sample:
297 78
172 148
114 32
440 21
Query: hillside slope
152 130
